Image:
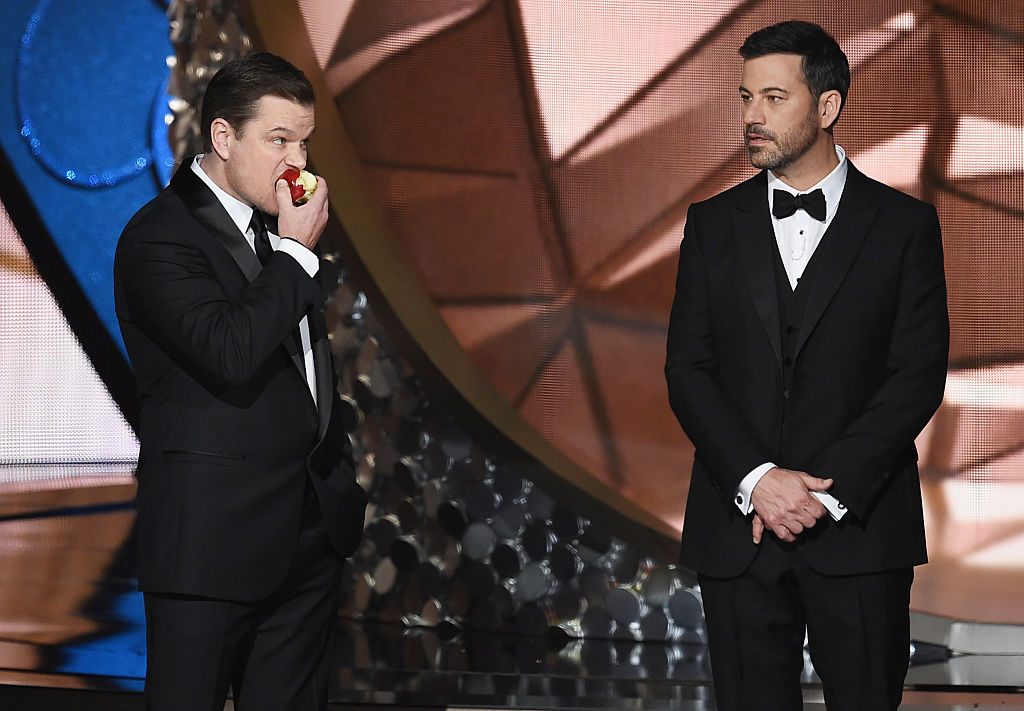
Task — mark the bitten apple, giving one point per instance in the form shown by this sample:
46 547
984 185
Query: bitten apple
302 184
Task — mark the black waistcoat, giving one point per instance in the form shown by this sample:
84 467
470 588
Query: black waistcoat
792 304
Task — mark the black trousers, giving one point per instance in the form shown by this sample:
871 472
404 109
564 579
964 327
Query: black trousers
858 628
273 654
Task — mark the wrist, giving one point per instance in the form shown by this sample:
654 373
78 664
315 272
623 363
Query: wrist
301 253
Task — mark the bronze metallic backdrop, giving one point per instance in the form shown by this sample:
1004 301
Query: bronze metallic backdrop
524 169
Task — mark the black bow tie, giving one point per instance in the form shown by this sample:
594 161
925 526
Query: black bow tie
785 204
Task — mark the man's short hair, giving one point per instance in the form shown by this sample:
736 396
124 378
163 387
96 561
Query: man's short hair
824 64
238 86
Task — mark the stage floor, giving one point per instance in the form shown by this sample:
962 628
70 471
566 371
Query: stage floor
72 636
24 692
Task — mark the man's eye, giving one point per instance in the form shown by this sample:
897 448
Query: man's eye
277 141
774 99
745 98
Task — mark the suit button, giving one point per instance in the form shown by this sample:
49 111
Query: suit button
785 394
790 329
789 361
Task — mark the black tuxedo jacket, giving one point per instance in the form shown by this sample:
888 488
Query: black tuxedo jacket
228 431
869 370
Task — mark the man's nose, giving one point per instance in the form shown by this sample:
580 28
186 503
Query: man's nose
296 157
752 114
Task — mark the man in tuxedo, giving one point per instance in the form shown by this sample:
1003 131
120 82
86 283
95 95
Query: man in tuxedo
247 500
807 348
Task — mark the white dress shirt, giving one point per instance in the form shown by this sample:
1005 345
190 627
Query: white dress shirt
798 237
241 215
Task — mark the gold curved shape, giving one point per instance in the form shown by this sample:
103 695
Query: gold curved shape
397 290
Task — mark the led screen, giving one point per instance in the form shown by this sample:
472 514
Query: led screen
536 159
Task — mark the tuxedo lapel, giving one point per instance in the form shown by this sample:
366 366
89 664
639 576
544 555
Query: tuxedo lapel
837 250
755 240
293 346
322 365
207 209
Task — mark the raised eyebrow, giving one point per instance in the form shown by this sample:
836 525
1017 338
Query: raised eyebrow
288 131
766 90
280 129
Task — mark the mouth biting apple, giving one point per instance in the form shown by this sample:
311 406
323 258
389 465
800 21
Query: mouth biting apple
301 183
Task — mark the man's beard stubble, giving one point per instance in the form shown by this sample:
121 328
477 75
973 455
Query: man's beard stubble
790 147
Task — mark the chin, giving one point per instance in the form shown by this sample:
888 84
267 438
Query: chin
758 159
766 161
269 207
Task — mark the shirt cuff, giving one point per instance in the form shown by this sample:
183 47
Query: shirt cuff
834 507
305 257
746 487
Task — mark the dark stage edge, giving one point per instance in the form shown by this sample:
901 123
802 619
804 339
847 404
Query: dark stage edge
382 666
72 637
55 692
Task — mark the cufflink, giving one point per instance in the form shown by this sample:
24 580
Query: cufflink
840 507
739 500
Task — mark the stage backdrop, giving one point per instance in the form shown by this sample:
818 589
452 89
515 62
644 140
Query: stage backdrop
534 161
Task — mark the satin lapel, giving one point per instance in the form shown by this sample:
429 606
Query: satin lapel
838 249
208 210
755 240
293 346
322 364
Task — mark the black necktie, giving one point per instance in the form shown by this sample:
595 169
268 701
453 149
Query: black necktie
785 204
261 240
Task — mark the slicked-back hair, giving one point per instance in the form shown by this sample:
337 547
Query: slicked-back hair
824 64
238 86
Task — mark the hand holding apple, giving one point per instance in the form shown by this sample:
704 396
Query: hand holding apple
303 223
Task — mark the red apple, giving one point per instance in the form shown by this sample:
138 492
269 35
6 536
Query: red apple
301 183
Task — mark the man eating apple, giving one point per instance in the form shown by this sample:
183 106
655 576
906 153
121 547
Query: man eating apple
247 500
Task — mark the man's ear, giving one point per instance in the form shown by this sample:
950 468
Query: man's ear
829 105
222 135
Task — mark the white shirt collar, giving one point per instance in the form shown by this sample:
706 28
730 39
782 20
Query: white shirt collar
238 211
832 185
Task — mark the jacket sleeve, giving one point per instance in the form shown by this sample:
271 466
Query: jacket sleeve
724 442
173 296
870 449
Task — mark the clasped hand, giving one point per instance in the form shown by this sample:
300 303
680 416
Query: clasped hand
784 505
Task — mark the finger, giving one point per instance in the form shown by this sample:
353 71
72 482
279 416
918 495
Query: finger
815 484
320 193
794 527
757 527
814 508
283 193
806 519
783 534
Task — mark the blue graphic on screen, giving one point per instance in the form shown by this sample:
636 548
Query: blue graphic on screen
85 123
119 654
